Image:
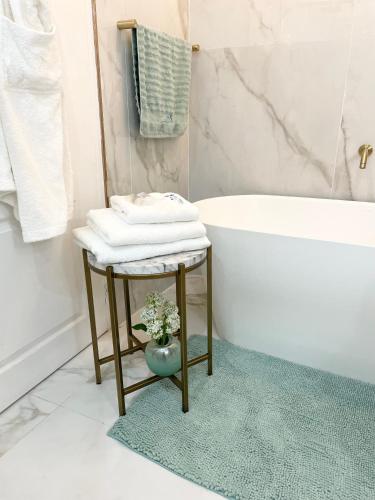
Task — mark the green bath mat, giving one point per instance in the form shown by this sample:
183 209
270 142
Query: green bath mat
260 428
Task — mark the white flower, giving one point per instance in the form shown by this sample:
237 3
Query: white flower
160 316
154 300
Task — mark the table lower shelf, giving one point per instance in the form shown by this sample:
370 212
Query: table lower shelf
141 346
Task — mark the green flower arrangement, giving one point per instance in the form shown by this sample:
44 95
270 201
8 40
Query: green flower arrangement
160 318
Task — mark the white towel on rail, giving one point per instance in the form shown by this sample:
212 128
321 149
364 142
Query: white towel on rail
151 208
31 117
86 238
33 14
7 185
107 223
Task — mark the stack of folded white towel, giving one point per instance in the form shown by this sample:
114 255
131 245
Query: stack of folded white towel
142 226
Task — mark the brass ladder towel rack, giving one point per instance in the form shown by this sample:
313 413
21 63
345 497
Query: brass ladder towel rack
132 23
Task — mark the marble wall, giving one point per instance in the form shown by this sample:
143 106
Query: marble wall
136 164
282 97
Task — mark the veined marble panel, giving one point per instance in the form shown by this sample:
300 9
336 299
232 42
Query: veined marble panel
316 20
265 119
136 164
114 91
157 265
160 166
358 121
225 23
364 19
170 16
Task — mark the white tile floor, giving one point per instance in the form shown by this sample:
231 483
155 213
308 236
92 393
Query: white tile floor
53 443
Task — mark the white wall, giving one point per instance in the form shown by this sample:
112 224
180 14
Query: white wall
43 303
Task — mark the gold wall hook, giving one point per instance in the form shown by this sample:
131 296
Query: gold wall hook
365 151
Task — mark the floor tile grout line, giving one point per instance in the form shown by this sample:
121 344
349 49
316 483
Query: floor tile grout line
85 416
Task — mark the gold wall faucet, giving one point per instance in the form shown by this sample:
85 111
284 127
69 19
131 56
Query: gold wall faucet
365 151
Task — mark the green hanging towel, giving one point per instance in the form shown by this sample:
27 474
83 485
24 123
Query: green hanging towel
162 74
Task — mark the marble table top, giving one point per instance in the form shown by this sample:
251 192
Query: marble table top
157 265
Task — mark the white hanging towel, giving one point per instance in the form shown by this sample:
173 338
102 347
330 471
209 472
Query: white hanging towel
31 119
7 185
151 208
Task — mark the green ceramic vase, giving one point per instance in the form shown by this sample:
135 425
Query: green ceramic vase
164 360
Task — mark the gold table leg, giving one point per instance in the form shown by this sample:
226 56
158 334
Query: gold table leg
90 300
115 339
183 337
134 344
128 314
209 309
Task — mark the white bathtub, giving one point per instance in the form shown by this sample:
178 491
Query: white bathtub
295 278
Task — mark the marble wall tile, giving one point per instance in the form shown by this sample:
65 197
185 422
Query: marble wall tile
114 91
224 23
170 16
358 120
316 20
265 119
364 19
160 167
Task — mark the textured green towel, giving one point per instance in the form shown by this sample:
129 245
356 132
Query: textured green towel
162 73
260 428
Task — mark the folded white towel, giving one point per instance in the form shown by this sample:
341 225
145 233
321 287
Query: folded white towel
113 229
85 237
152 208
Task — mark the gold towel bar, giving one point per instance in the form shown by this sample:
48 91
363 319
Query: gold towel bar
132 23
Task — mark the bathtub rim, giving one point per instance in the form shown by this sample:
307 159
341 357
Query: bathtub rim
338 241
